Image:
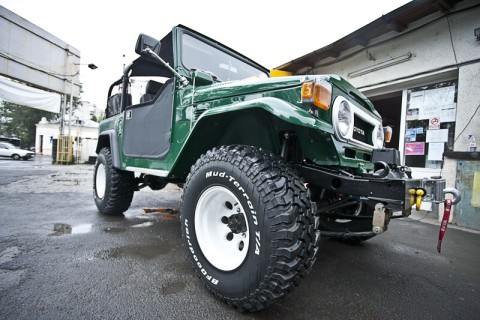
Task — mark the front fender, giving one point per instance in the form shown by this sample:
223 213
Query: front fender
255 122
276 107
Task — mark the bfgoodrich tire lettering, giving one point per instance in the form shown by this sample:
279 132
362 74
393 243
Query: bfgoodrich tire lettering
112 188
273 214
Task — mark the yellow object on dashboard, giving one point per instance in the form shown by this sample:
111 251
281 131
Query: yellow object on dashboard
279 73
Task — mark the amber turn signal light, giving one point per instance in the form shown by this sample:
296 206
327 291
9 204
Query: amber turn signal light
322 96
307 90
318 93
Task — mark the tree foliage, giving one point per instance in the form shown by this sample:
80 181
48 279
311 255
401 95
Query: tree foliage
98 119
20 121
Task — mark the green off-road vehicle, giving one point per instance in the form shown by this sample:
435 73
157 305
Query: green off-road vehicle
267 165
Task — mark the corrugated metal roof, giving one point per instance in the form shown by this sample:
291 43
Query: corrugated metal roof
396 21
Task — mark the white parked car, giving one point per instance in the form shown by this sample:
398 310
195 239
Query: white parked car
11 151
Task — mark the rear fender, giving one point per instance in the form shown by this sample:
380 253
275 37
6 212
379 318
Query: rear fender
108 139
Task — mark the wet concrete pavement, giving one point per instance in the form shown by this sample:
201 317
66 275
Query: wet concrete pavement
60 259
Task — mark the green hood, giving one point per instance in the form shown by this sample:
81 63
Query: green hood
351 91
241 88
244 87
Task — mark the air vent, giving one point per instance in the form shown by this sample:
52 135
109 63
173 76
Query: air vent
349 153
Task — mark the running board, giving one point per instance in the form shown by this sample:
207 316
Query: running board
153 172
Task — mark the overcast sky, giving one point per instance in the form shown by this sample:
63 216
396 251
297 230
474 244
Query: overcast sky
269 32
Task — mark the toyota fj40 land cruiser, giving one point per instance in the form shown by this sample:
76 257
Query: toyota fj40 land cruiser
267 164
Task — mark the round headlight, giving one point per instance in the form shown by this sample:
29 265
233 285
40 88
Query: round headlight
344 118
378 136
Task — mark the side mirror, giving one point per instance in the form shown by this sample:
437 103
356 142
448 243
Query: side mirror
143 42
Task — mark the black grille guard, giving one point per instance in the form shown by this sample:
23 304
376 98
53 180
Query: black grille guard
391 190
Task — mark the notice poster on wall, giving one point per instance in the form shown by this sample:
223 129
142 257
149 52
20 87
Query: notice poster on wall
449 113
433 103
436 100
415 148
435 151
440 135
430 123
416 100
411 135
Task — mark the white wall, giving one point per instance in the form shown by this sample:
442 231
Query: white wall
431 48
45 131
444 49
89 135
468 101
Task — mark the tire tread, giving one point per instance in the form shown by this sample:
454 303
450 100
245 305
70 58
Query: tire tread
291 221
117 200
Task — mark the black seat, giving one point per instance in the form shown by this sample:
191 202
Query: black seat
114 104
151 90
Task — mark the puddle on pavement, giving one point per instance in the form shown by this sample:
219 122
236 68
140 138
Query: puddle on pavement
154 214
142 225
135 251
173 288
61 229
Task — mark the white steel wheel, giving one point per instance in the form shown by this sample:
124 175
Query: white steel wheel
100 181
221 228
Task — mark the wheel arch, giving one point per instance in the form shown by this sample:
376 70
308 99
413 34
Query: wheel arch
258 123
108 139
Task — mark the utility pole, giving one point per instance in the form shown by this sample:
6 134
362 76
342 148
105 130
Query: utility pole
64 143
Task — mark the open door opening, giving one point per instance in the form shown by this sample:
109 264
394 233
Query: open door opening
390 108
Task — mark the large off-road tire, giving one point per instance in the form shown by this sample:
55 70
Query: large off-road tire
247 226
112 188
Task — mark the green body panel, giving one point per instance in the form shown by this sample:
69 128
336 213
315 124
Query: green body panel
255 121
108 124
255 112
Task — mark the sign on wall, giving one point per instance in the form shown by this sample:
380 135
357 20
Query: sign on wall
430 123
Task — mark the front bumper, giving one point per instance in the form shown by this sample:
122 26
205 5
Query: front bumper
391 190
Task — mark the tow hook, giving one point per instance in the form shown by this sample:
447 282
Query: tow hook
446 215
379 219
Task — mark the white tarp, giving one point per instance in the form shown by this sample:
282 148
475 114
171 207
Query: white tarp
27 96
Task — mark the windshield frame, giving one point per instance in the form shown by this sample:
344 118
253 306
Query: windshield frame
223 50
